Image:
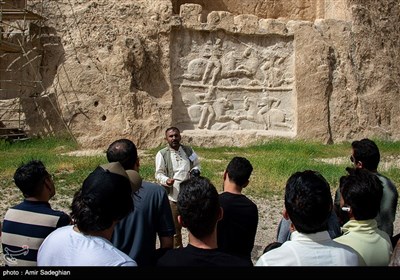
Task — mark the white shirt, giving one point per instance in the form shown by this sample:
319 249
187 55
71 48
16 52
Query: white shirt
66 247
316 249
181 167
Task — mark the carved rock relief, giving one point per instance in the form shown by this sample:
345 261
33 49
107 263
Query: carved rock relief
233 83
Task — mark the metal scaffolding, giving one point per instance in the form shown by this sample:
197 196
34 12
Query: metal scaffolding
15 19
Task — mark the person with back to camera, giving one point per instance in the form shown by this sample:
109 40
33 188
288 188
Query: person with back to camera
174 164
27 224
236 231
365 154
199 211
361 194
308 204
284 232
136 234
102 201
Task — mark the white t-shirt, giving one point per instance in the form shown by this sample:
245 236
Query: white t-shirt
66 247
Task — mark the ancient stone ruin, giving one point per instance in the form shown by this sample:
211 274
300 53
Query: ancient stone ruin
224 72
227 85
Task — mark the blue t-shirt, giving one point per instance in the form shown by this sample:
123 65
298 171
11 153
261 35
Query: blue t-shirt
136 234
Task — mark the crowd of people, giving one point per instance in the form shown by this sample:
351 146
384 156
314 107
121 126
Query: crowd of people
118 219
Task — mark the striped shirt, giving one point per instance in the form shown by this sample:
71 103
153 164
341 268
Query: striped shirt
25 227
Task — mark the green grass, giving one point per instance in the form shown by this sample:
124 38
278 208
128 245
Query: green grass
273 162
69 171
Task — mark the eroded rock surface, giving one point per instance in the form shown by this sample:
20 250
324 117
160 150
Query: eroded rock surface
224 72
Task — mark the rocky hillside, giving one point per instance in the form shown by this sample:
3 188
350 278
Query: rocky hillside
323 70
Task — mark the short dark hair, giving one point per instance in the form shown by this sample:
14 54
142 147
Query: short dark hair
172 128
103 198
362 191
308 201
239 170
198 205
123 151
29 177
366 151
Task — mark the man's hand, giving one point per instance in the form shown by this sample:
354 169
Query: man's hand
170 181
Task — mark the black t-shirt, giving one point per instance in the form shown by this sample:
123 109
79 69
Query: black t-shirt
236 231
191 256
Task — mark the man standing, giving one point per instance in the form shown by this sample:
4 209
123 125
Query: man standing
136 234
237 230
365 154
174 164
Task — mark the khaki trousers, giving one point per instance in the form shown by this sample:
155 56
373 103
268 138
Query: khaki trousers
178 227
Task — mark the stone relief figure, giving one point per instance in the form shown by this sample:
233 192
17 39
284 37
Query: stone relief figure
211 112
244 65
208 67
248 65
197 67
267 102
238 75
207 110
214 66
194 112
274 70
248 112
229 62
277 118
221 106
269 113
265 112
210 109
268 70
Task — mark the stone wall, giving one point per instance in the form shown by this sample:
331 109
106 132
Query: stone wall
223 72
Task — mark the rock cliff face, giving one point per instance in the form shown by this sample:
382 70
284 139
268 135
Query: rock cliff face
225 73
